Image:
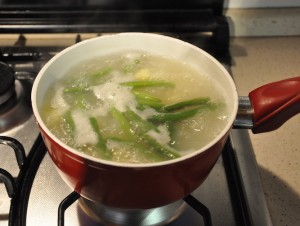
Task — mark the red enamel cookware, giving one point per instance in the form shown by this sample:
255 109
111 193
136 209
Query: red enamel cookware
143 186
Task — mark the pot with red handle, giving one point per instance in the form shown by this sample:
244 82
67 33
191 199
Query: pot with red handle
144 186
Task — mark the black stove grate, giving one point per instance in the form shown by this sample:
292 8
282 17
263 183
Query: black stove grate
19 189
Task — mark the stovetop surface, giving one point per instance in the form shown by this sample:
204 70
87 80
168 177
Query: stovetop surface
232 192
223 192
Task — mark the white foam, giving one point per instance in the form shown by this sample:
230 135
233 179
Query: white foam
84 133
58 102
162 136
113 94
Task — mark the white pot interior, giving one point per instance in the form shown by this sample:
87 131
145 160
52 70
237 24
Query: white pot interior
156 44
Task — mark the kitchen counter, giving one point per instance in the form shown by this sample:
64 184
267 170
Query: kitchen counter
257 61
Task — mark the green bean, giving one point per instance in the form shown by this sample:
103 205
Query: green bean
144 125
93 77
167 152
147 83
150 103
101 73
171 127
80 101
69 122
75 96
145 99
144 150
140 135
145 96
176 116
186 103
74 89
123 121
131 66
101 144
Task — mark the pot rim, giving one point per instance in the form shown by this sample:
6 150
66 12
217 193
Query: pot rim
42 125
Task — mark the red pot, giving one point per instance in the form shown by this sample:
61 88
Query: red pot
145 186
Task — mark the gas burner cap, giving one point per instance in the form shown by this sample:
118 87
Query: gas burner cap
7 84
15 105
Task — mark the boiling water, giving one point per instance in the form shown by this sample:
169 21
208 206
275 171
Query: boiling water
83 109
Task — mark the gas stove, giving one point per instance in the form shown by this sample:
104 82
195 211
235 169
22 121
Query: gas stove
32 192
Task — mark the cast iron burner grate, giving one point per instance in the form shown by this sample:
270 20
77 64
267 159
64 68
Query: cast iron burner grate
18 189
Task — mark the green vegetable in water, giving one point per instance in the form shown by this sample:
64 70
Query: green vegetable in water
149 103
140 136
138 121
125 124
186 103
167 152
145 96
146 151
69 122
147 83
75 89
131 67
101 73
142 124
175 116
145 99
101 144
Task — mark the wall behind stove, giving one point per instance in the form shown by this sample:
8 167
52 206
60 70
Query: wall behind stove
264 22
261 3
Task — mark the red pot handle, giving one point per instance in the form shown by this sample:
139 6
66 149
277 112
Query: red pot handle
275 103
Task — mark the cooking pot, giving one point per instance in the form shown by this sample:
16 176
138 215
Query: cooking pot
144 186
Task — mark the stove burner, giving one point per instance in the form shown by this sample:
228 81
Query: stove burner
7 85
15 106
139 217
